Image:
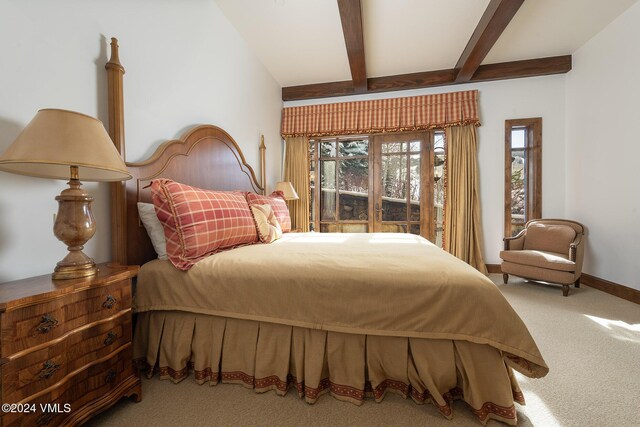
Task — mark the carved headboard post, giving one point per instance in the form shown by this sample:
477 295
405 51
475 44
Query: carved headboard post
115 72
205 156
263 165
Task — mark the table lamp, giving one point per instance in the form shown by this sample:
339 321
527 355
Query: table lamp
287 188
62 144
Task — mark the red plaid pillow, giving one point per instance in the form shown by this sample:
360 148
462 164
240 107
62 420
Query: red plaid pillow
278 205
198 223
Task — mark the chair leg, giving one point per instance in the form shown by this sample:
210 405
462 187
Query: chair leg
577 283
565 290
505 278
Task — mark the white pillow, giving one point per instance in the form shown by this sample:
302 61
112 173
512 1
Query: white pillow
154 228
267 224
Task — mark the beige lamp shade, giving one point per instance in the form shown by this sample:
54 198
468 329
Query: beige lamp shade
57 139
287 188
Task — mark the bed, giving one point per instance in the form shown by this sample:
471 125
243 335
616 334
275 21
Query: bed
313 312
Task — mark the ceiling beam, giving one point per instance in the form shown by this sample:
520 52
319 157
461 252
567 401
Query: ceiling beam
411 81
500 71
520 69
351 17
493 22
317 90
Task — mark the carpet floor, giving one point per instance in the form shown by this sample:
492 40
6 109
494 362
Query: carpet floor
590 340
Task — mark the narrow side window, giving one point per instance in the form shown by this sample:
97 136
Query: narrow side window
523 173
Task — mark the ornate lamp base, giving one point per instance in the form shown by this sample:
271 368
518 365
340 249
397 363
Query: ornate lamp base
74 226
68 269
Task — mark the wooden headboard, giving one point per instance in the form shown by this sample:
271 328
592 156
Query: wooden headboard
205 157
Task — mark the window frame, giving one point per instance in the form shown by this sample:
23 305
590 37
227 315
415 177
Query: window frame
426 175
533 170
428 215
433 230
316 160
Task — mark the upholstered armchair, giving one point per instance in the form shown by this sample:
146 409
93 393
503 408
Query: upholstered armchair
548 250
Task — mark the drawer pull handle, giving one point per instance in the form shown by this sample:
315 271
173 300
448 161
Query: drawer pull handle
47 323
111 337
109 302
110 377
49 368
44 419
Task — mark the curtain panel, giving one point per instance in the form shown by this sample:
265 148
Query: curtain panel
296 171
382 115
462 225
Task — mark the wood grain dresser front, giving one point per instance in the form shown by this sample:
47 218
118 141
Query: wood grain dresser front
65 347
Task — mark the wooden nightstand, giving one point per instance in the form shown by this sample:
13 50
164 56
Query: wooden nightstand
66 342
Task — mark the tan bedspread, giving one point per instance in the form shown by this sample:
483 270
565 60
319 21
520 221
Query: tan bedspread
373 284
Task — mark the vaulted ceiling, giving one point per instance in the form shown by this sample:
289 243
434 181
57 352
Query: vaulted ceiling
320 48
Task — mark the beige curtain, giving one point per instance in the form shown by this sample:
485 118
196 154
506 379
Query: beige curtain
296 171
462 227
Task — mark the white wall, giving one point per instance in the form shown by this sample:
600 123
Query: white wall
498 101
603 149
185 65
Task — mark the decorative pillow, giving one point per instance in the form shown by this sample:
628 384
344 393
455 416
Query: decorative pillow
198 223
550 238
154 229
278 205
266 223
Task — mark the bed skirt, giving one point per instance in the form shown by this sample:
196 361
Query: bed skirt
267 356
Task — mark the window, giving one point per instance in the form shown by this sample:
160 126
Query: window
390 182
398 183
523 173
438 186
342 202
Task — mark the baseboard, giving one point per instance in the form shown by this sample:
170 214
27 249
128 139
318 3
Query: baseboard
612 288
494 268
603 285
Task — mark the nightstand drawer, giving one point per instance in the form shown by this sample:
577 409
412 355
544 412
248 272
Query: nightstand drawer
92 383
40 368
33 325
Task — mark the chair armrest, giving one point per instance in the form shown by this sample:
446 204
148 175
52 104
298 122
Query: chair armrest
573 247
516 241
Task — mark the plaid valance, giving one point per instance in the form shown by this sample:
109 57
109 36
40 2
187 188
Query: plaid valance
382 115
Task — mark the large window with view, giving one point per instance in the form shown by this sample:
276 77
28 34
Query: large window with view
523 173
341 201
379 183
